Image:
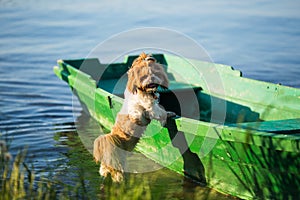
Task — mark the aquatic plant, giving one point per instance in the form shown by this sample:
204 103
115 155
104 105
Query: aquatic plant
17 180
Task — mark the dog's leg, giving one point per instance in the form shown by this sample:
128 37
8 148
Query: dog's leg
110 155
104 170
158 113
116 175
136 112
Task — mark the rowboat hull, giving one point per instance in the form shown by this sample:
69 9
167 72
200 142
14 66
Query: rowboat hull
247 136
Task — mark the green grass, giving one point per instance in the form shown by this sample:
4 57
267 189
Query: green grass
18 181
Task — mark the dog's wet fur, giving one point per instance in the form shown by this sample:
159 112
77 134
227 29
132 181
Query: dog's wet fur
140 107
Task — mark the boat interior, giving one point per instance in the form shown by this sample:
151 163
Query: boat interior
184 99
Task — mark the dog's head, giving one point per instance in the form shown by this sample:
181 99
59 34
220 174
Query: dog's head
146 75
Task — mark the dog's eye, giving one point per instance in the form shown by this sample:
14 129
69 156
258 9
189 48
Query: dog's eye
155 69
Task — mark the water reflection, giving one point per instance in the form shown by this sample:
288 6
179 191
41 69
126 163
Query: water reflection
82 172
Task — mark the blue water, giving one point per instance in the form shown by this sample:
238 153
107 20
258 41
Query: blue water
260 38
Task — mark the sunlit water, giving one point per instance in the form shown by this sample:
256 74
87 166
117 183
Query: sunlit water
262 39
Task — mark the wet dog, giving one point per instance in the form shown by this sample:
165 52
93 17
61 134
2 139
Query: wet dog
140 106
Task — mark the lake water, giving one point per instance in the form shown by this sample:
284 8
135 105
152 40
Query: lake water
37 111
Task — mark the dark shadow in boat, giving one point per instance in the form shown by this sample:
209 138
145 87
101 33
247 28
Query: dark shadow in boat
192 165
195 104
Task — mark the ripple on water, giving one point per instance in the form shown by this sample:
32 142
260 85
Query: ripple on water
32 112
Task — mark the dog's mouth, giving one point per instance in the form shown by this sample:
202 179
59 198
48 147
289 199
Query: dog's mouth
152 86
152 89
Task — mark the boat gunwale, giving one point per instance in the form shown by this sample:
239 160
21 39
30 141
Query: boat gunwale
228 130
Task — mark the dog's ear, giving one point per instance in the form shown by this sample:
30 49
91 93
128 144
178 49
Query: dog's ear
131 83
131 86
164 77
165 82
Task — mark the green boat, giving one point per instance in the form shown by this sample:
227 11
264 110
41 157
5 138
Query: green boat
244 133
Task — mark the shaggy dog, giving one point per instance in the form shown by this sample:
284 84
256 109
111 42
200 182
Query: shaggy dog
140 106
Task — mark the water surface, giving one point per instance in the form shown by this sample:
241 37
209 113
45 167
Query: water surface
260 38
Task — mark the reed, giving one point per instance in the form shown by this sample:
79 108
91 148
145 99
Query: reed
18 181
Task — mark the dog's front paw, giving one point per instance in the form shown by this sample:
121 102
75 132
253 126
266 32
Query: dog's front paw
170 114
135 114
163 118
160 116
